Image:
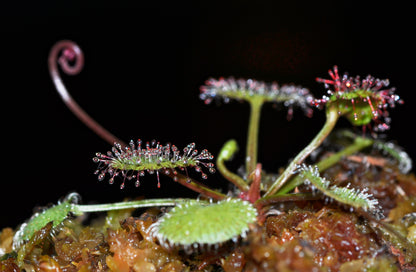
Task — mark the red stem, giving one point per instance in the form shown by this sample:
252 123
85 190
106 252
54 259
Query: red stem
71 53
71 59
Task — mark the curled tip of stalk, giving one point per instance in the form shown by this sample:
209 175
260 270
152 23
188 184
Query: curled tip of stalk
69 56
350 196
71 60
226 89
359 100
133 161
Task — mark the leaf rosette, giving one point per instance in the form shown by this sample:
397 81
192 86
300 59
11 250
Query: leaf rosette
359 100
199 223
134 160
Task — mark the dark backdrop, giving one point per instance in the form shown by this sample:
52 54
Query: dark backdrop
142 75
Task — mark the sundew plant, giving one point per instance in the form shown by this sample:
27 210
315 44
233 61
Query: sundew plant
218 217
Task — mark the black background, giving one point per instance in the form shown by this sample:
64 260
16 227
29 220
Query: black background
143 69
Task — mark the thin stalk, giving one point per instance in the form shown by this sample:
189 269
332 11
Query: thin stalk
80 209
231 177
72 52
196 186
59 213
271 200
226 153
331 119
253 133
63 53
359 144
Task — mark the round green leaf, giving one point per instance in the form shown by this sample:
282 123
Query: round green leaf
196 223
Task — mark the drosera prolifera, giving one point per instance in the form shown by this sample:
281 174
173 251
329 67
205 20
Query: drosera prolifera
193 223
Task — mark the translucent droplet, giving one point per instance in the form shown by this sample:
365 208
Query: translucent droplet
101 176
118 145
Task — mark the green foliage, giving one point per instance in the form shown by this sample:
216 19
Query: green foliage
395 151
197 223
192 223
351 196
55 214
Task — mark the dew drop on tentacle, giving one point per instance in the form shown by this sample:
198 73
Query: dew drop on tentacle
153 143
158 180
289 115
111 180
353 109
137 183
101 177
188 179
118 146
373 110
132 145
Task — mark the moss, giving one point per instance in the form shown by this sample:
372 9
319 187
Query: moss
303 236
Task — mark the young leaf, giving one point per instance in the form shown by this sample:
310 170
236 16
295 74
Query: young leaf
351 196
